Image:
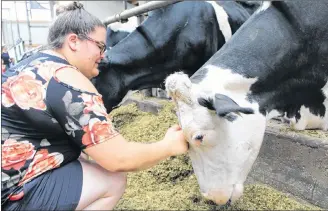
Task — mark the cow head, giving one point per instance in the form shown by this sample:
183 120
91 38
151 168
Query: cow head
224 137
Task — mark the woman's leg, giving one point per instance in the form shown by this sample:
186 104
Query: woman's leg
101 189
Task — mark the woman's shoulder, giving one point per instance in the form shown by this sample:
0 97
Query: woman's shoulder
74 79
71 77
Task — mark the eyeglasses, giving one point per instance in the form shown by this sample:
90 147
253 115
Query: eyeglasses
101 45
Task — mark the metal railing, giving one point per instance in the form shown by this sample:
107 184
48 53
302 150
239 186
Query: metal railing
17 50
152 5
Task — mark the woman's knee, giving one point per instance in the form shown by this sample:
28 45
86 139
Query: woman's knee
120 181
99 183
113 182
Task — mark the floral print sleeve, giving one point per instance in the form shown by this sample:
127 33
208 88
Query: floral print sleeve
81 114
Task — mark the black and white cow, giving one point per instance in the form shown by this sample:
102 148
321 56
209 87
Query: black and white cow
180 36
276 64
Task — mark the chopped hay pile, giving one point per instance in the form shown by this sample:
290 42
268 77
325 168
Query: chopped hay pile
323 135
171 185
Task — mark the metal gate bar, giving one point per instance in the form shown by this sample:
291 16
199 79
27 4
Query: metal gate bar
138 10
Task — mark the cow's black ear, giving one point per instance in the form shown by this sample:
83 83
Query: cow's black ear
208 103
223 105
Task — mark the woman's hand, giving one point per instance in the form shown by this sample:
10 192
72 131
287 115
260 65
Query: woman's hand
175 140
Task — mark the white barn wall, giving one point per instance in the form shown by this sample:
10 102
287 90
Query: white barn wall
40 28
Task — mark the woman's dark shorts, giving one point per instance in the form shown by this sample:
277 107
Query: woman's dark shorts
58 189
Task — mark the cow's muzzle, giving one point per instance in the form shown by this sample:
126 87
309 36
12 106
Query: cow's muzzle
225 196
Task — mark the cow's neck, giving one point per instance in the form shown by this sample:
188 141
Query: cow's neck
140 61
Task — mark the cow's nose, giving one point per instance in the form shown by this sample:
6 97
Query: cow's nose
226 195
220 197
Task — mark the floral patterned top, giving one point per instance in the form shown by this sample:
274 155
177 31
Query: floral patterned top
45 122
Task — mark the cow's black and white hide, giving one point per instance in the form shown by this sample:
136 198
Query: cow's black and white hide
276 64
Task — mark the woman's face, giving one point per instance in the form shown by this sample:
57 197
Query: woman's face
91 51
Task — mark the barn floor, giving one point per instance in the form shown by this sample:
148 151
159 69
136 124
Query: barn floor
171 185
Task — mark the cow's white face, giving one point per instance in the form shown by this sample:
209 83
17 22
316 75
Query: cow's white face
222 145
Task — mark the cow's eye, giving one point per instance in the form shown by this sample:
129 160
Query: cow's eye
198 139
